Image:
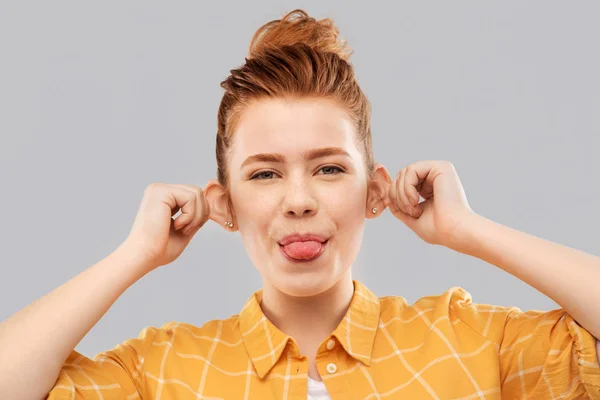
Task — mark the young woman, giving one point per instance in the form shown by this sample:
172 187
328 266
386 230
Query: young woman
297 179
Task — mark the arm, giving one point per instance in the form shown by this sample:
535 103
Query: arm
29 366
568 276
598 349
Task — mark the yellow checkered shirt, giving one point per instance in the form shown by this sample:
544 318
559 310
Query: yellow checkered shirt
441 347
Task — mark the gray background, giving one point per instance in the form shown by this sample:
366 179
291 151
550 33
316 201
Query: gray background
98 100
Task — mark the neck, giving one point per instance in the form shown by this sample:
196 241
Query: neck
309 320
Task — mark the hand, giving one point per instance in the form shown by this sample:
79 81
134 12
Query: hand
158 237
435 220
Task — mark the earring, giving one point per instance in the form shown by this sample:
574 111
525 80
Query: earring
228 223
374 210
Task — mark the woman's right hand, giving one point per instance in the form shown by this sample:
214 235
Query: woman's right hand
155 235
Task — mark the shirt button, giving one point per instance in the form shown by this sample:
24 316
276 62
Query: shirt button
331 368
330 344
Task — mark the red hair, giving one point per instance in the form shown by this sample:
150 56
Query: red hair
294 57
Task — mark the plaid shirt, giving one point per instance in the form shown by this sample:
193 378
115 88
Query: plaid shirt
440 347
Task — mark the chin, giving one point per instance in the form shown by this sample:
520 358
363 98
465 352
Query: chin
304 285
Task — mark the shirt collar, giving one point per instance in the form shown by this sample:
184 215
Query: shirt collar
355 332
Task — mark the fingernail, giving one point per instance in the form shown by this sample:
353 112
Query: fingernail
409 211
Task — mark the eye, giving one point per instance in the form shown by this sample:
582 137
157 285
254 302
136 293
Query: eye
255 176
332 167
265 174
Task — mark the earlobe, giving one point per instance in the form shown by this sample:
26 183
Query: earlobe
217 199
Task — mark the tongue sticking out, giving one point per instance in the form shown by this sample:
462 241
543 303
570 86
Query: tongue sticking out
302 250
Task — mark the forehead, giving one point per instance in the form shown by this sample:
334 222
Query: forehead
291 127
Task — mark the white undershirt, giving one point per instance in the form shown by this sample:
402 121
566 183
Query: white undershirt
317 390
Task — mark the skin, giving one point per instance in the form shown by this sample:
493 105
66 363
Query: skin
300 196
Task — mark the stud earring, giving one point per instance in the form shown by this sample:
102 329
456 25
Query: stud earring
374 210
228 223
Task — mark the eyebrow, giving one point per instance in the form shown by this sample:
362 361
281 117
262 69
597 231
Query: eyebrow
308 155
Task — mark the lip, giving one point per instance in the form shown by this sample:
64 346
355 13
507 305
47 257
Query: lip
302 237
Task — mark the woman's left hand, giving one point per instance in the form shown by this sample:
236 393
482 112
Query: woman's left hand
435 220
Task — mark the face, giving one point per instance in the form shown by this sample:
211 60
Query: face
284 192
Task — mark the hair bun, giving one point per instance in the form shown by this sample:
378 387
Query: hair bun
297 27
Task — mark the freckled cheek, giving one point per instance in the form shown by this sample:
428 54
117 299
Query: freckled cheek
346 201
346 215
256 213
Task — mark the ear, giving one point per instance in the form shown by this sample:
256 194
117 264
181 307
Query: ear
377 191
220 205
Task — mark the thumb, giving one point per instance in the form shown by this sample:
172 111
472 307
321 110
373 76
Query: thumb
389 195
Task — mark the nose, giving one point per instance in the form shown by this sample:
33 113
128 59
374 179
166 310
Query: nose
299 200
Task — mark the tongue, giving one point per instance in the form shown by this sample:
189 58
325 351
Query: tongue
302 250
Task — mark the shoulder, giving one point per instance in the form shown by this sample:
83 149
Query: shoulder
441 303
185 335
213 327
455 305
181 347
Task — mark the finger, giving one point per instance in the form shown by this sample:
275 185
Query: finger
424 171
386 195
203 216
185 199
200 213
402 193
393 200
411 181
205 208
